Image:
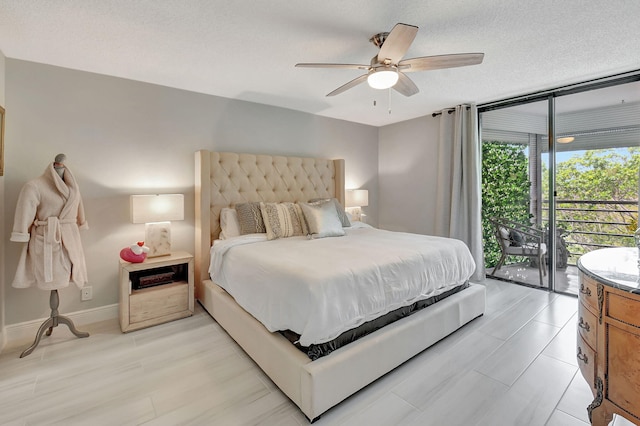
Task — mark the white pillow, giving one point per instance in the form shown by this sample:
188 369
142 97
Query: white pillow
322 219
229 224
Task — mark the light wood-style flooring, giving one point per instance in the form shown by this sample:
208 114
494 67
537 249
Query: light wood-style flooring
516 365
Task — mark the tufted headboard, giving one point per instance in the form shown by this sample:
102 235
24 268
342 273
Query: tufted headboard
224 179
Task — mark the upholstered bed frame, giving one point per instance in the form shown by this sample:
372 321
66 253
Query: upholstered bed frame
225 179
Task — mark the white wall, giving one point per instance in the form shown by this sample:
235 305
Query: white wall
123 137
407 168
2 216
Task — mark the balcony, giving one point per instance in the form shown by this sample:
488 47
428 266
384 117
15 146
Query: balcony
591 225
584 144
583 225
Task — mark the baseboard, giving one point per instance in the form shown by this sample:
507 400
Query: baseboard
27 330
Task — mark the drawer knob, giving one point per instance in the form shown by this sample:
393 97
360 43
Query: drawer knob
582 357
584 325
584 290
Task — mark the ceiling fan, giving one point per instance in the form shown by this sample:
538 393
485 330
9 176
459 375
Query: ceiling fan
387 69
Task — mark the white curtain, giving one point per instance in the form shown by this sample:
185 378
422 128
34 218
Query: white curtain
459 198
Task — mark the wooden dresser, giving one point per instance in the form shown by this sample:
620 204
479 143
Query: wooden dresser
608 341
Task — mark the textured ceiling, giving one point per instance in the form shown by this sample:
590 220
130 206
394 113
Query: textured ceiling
247 49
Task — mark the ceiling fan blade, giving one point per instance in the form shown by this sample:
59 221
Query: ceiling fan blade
349 85
426 63
343 66
405 85
397 43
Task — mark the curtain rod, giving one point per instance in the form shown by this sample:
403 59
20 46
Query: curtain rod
449 111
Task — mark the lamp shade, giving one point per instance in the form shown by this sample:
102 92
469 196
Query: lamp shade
356 198
157 208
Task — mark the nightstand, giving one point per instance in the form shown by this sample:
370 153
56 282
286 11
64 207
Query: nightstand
158 290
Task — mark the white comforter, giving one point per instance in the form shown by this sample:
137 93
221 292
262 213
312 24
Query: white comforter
323 287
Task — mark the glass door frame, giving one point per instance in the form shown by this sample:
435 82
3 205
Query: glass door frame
551 241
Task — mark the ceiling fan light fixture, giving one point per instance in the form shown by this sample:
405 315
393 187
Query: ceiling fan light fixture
383 72
385 78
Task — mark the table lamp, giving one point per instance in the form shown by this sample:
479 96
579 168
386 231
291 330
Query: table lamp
156 212
354 200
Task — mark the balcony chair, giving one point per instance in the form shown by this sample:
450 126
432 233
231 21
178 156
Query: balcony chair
516 239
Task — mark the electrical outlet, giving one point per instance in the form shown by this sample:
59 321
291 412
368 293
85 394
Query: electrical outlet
86 293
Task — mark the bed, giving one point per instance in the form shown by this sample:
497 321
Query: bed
225 179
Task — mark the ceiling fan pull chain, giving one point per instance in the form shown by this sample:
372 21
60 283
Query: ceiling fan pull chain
389 100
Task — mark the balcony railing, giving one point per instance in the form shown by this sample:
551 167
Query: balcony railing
591 224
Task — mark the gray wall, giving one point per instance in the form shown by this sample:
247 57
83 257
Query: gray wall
407 170
2 215
123 137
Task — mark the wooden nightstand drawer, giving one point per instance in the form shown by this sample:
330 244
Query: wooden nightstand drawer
586 361
157 302
587 325
589 293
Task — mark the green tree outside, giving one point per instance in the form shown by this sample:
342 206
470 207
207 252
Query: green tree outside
609 176
505 190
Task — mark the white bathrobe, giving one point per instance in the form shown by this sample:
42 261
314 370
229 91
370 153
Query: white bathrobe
48 216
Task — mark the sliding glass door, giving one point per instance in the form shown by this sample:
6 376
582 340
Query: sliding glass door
596 176
513 193
565 165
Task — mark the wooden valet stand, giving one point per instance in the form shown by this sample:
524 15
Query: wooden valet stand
51 322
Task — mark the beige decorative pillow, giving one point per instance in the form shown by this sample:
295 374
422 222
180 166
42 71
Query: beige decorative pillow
342 215
283 220
322 219
250 218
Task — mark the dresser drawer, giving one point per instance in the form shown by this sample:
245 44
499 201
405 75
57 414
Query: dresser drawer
623 309
586 361
587 325
589 293
623 372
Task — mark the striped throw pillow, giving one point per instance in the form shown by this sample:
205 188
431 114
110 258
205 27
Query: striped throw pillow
283 220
